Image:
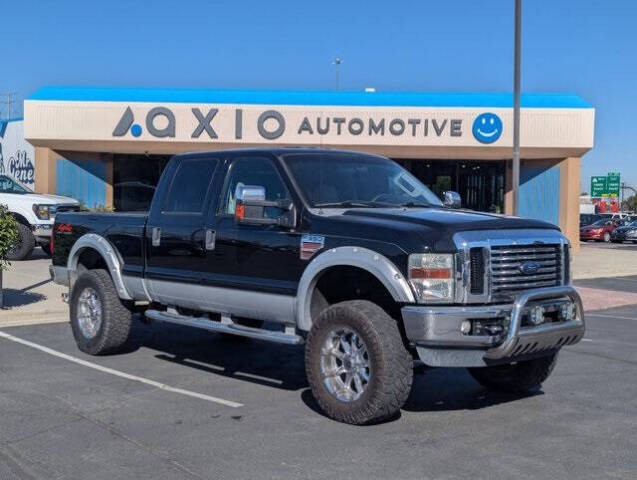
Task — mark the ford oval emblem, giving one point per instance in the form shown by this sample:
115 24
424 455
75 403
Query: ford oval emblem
529 268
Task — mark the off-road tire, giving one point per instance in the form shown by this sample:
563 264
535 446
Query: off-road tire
391 365
25 245
116 318
520 377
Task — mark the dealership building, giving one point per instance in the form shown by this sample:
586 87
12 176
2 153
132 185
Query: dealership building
108 146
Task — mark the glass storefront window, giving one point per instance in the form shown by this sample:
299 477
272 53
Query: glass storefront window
479 183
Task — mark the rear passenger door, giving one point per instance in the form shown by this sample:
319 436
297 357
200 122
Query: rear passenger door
176 233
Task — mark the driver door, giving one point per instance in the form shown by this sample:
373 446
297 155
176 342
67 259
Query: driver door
259 258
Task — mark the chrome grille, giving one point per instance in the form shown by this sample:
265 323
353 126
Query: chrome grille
507 277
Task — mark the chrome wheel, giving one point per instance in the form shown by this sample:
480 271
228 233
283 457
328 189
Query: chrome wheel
89 312
345 364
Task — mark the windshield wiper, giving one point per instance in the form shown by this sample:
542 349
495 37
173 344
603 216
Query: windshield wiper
414 205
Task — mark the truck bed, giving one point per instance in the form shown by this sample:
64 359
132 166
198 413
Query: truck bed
125 230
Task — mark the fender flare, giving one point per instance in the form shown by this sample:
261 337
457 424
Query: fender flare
373 262
108 253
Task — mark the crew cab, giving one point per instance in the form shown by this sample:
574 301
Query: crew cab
35 214
344 252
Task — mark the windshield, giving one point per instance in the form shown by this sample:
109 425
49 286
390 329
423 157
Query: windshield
601 223
355 180
9 185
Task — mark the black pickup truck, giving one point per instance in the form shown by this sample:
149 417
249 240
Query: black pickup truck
345 252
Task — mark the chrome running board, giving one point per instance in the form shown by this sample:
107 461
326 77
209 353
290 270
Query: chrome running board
226 326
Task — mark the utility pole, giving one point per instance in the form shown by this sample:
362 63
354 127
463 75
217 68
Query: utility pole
7 102
337 61
516 107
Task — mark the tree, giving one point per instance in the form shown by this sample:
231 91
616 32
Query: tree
630 203
8 237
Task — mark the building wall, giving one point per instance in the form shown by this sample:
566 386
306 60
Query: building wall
570 173
16 154
85 176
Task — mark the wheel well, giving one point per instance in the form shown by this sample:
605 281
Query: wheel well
20 219
91 259
344 282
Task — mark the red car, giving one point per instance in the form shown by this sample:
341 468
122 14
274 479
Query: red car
600 231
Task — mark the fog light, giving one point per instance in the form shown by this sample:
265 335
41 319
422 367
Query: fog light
537 315
567 311
465 327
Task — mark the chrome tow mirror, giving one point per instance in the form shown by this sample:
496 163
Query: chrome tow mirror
451 199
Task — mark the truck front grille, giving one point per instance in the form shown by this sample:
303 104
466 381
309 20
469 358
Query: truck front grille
476 263
508 275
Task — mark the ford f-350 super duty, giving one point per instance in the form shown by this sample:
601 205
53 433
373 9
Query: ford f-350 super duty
344 252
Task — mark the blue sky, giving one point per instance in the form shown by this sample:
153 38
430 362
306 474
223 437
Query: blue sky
582 46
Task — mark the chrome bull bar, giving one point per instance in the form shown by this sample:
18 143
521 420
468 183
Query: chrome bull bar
542 337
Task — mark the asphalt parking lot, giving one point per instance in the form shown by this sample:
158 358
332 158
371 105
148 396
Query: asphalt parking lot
610 245
64 419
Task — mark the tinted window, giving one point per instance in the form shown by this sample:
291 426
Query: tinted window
254 171
190 185
337 179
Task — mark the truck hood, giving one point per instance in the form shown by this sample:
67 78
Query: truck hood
45 198
416 229
451 221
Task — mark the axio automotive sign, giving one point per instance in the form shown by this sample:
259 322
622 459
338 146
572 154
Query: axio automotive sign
129 127
161 122
16 154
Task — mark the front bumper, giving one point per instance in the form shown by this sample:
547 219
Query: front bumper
622 236
591 236
436 331
42 231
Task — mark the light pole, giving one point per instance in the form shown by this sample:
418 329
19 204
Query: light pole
337 61
516 108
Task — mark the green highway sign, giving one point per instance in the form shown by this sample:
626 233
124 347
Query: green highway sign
613 184
599 186
606 186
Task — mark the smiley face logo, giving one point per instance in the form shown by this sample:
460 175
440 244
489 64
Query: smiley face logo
487 127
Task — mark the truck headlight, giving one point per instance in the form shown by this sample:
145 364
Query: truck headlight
432 277
43 212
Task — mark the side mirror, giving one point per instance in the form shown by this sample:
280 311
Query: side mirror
451 199
251 205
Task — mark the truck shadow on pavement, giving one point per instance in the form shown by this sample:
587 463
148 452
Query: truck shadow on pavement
19 298
281 366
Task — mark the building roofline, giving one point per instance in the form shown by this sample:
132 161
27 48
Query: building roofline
5 122
307 97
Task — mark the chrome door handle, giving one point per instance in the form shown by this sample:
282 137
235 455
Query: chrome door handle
156 236
210 239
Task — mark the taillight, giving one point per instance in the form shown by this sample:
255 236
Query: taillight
51 243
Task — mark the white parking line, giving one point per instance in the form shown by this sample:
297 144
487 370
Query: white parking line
602 315
117 373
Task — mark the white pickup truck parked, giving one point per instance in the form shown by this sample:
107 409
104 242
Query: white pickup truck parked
35 214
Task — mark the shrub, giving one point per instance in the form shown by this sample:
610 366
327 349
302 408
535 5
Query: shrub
8 235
